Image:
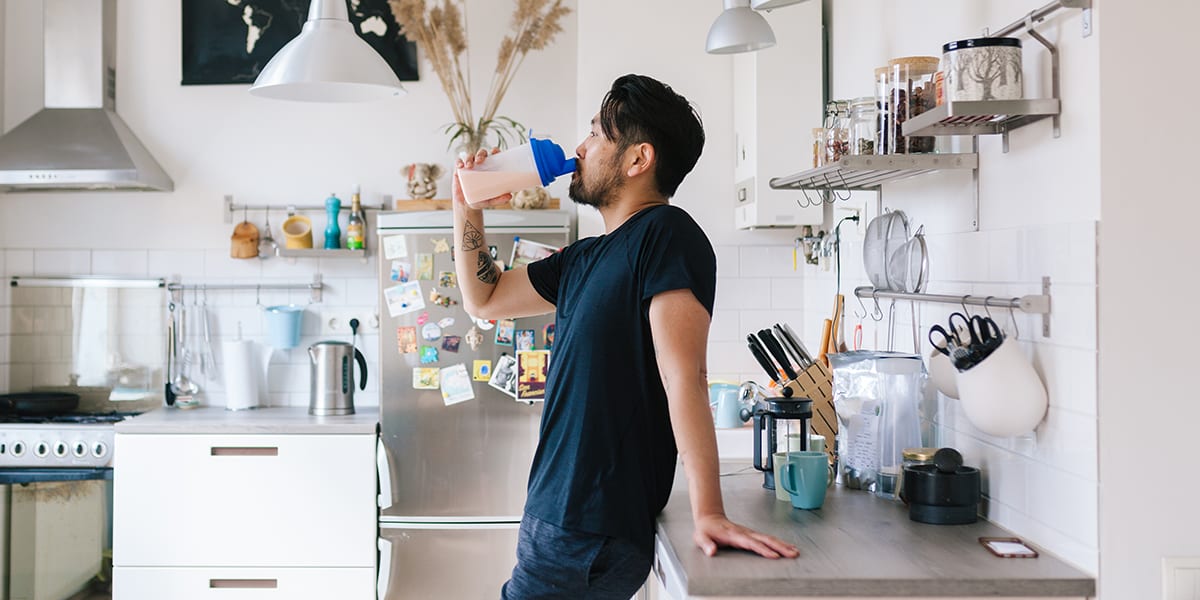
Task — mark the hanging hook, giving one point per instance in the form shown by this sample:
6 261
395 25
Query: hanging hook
1013 315
966 312
864 309
986 308
877 311
807 201
258 296
846 185
833 192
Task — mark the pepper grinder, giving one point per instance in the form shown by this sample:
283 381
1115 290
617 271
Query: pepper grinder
333 234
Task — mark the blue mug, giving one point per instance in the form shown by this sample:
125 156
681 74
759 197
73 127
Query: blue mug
804 476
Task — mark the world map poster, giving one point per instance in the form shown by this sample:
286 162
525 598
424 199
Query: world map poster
230 41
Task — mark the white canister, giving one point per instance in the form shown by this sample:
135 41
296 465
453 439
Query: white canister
982 69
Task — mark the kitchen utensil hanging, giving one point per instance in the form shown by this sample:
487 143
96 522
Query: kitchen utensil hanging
886 233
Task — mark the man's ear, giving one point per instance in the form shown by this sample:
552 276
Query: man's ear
640 159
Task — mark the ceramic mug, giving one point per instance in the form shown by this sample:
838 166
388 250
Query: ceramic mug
297 231
777 460
804 476
1002 395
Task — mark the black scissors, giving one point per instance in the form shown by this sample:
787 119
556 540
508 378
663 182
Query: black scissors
948 342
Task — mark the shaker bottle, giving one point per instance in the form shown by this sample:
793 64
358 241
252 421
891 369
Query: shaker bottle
531 165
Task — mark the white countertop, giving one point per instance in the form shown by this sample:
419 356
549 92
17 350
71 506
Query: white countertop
276 420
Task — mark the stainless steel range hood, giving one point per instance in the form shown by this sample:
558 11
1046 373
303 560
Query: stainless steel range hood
78 142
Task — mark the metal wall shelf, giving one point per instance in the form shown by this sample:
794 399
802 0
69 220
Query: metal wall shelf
321 253
869 172
982 117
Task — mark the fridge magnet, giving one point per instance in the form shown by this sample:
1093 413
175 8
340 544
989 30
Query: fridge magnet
482 370
423 318
440 300
430 332
504 376
494 251
404 298
440 245
450 343
456 384
447 279
428 355
406 338
426 378
504 332
473 338
445 322
483 324
527 251
532 366
400 271
425 267
524 340
548 335
394 246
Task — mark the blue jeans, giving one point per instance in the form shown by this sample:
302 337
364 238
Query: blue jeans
555 563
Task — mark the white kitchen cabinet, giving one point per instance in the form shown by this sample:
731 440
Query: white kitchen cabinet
270 506
776 103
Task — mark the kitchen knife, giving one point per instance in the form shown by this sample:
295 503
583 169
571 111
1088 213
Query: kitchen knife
788 344
772 344
761 356
795 339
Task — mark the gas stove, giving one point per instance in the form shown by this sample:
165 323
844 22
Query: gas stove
63 441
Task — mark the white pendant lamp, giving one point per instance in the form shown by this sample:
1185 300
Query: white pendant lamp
739 29
770 4
327 62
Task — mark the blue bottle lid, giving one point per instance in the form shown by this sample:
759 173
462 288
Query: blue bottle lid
552 162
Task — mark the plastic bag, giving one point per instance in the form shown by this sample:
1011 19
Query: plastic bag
877 396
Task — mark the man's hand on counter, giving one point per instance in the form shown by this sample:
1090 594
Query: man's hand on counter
716 530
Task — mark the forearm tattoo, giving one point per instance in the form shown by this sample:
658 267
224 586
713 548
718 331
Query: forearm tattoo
472 237
485 269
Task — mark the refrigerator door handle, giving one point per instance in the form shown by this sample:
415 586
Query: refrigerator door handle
385 569
383 466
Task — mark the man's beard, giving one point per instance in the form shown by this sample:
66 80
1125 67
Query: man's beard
601 193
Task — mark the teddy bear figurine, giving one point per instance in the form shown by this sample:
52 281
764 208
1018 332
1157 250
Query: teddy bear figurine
422 180
531 198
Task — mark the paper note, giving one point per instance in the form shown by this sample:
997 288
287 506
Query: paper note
406 339
425 266
394 246
404 298
456 385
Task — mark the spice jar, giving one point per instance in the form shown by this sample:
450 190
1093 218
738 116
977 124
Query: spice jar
837 131
818 148
911 91
862 126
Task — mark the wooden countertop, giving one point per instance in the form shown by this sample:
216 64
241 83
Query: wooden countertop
271 420
855 545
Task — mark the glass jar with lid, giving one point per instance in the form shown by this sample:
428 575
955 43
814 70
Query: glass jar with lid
818 135
912 457
863 115
911 91
837 131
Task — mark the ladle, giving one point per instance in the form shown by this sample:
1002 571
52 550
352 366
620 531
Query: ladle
266 244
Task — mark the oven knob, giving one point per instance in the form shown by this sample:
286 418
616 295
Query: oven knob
60 449
100 450
18 449
80 450
41 450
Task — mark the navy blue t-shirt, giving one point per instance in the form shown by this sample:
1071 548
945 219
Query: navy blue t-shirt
606 456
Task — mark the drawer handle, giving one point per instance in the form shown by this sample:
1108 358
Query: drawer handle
244 451
245 584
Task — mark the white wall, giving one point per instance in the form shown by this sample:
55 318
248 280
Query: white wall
217 140
1148 399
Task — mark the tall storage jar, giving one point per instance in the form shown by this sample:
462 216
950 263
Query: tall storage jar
983 69
862 126
911 92
837 131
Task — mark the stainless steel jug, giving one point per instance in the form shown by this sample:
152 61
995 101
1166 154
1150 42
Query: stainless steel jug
331 380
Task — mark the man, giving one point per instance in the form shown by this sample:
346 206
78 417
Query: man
627 385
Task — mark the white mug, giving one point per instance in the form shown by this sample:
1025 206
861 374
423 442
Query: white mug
1002 395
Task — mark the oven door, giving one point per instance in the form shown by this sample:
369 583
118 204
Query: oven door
55 523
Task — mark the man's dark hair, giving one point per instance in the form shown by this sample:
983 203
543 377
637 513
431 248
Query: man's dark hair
641 109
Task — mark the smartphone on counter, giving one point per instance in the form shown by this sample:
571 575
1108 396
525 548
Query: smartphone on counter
1008 547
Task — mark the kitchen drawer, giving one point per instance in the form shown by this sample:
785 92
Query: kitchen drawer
244 500
176 583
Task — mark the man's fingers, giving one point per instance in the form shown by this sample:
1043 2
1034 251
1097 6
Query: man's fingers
778 545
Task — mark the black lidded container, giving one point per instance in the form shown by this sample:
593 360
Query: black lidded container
943 493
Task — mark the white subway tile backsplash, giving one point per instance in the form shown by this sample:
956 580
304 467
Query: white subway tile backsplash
18 262
728 261
218 266
725 326
743 293
1067 441
176 264
124 263
1005 255
787 294
1063 501
62 262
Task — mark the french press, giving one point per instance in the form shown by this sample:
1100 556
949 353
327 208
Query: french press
776 417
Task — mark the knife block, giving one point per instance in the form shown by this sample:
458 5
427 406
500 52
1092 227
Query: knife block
816 384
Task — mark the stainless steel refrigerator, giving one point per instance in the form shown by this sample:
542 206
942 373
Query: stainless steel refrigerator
452 477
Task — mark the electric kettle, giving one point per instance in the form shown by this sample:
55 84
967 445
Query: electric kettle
331 379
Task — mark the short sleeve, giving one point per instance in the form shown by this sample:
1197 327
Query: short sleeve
676 254
545 275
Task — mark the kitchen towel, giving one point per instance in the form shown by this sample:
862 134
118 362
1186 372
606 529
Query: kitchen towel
245 371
